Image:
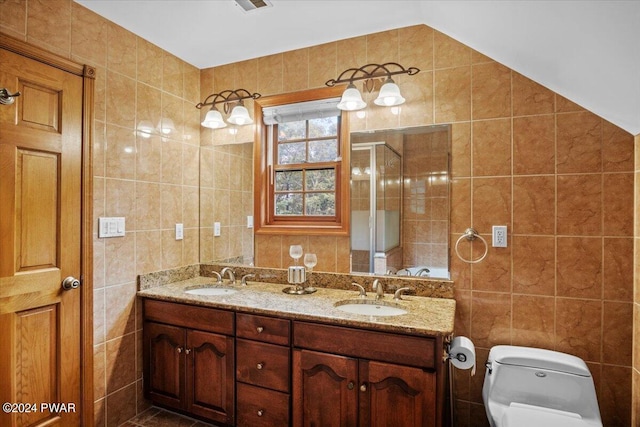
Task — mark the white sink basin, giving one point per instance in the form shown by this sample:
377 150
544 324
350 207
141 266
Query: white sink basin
369 308
206 291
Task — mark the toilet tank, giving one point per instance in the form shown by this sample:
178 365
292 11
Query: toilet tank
539 377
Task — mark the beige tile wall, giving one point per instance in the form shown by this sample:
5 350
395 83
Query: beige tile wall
152 182
511 136
560 177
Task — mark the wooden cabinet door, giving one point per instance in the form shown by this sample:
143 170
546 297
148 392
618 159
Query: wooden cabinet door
164 364
40 232
210 376
396 396
325 391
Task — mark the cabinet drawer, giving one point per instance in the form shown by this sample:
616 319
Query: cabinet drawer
189 316
261 364
382 346
259 407
262 328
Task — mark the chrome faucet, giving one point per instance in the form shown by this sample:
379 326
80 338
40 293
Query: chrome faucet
422 270
377 286
232 276
243 281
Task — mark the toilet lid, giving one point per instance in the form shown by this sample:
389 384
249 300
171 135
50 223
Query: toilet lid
521 415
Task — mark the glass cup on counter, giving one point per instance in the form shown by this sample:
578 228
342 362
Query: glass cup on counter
310 261
295 252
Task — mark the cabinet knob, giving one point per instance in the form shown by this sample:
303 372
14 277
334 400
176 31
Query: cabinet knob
351 385
260 365
260 412
188 351
363 387
179 349
259 329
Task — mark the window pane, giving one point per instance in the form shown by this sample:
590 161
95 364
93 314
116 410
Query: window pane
292 130
323 179
291 152
322 204
288 180
289 204
323 151
327 126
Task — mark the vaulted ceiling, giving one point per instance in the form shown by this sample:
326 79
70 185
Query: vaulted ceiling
587 51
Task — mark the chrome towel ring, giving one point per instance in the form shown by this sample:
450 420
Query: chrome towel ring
471 234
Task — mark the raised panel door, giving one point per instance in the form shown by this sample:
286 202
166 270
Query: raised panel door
325 391
210 376
396 395
164 353
40 242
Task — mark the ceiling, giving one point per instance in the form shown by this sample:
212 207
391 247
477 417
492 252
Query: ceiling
585 50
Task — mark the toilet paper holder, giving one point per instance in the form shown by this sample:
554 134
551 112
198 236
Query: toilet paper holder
458 356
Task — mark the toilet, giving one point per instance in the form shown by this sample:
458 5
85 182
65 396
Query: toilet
526 387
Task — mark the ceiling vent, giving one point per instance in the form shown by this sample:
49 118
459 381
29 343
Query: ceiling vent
249 5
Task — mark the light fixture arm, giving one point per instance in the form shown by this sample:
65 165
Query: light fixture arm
371 71
227 97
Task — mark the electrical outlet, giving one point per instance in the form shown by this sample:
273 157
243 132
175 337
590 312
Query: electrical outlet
216 229
179 232
499 236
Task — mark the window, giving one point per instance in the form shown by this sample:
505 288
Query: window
300 182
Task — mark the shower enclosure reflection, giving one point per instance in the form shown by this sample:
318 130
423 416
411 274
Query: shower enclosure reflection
400 201
375 205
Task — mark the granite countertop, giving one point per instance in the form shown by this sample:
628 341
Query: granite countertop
425 316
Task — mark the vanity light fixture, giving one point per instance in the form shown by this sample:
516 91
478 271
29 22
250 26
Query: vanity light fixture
232 100
389 94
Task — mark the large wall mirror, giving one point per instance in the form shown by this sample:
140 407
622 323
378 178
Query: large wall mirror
399 185
400 201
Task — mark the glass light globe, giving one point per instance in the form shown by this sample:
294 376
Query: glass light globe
213 119
240 116
389 95
351 99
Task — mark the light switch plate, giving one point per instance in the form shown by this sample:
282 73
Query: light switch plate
179 232
111 226
216 229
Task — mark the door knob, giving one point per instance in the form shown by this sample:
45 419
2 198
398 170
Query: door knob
7 98
70 283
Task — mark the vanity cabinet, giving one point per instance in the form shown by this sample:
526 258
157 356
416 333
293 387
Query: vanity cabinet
189 359
367 378
263 370
248 370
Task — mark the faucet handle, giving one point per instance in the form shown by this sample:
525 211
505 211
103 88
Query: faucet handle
217 276
398 294
243 281
363 293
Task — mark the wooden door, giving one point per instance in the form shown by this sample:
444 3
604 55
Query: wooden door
164 364
210 376
397 396
325 390
40 243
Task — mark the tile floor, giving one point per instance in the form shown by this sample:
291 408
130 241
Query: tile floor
156 417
